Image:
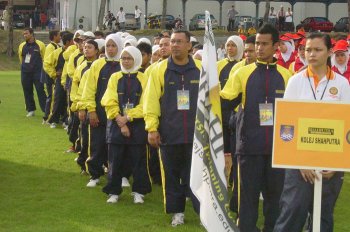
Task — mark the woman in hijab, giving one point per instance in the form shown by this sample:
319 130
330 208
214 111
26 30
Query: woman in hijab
234 52
126 135
340 59
300 61
95 87
286 54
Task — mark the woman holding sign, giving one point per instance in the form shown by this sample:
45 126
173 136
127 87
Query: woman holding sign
316 82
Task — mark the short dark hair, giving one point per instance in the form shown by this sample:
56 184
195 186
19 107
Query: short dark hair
67 37
99 33
187 33
92 42
31 31
52 34
269 29
325 37
250 39
145 47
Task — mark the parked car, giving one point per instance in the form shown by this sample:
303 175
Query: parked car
245 21
130 22
155 21
17 21
342 25
316 24
198 22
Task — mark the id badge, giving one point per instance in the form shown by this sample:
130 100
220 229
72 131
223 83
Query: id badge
127 107
266 114
27 58
183 100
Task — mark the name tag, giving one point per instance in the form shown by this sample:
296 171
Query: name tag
183 100
27 58
127 107
266 114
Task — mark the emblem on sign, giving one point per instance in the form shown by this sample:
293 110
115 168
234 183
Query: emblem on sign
348 137
287 133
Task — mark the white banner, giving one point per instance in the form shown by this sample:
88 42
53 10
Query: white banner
208 180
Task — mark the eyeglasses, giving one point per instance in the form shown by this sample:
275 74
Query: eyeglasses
126 58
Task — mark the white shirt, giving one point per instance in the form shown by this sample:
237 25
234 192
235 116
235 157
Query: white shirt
138 13
299 88
121 16
272 14
289 17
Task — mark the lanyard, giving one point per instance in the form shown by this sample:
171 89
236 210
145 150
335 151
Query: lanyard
313 92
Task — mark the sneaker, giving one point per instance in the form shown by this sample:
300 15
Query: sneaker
92 183
125 182
138 198
53 125
178 219
112 198
30 114
45 122
70 150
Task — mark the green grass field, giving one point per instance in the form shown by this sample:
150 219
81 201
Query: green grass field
41 188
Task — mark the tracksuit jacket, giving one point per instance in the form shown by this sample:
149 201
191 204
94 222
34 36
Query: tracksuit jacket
160 109
124 88
253 84
37 52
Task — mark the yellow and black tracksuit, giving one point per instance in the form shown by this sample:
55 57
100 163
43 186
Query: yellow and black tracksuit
224 68
123 89
251 85
94 89
80 128
176 127
31 57
72 57
45 79
55 63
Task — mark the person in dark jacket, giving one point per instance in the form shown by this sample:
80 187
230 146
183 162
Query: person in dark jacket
126 134
256 86
31 54
169 110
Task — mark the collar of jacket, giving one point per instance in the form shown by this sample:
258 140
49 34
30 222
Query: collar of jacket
260 63
188 66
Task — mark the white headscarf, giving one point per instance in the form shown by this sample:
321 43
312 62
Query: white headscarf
144 40
155 48
101 43
240 47
116 39
342 68
290 49
80 32
136 54
130 41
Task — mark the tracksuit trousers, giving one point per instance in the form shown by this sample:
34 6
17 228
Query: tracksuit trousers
98 151
257 176
176 169
297 200
59 108
28 79
119 156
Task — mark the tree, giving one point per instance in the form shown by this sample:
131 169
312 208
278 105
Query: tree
165 2
10 51
267 11
101 14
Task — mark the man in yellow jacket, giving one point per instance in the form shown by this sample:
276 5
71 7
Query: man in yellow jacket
31 54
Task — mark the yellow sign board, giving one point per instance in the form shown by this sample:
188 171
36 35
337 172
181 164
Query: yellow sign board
311 135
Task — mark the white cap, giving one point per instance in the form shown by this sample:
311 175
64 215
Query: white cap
100 43
89 34
155 48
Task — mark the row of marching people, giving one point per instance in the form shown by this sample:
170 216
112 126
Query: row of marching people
114 96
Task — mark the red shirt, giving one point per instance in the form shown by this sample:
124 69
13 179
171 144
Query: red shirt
287 63
346 74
